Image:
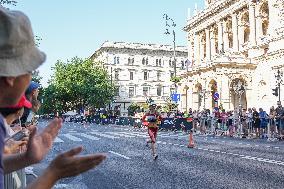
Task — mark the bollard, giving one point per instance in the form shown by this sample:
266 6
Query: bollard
191 141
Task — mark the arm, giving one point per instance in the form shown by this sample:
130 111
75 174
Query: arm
37 147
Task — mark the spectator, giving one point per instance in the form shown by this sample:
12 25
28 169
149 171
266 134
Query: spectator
18 58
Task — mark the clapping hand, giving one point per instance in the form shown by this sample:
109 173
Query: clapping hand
68 164
40 144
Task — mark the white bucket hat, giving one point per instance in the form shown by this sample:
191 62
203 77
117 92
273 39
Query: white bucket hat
18 53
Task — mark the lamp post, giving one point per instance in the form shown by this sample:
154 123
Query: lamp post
169 25
279 82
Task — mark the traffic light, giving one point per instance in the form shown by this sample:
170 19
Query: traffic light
275 91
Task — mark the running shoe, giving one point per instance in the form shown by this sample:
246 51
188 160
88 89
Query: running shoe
155 157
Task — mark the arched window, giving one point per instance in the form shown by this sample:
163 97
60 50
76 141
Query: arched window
143 61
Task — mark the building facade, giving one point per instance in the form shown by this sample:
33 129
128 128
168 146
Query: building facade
236 47
140 71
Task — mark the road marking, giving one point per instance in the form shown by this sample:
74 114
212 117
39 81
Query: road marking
268 146
88 136
276 147
73 138
257 145
164 143
120 134
123 156
57 139
104 135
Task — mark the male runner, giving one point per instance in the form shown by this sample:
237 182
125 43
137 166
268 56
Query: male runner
152 117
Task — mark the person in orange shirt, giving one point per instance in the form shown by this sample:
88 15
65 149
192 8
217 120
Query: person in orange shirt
152 118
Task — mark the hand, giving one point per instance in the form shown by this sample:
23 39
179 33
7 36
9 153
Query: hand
12 146
40 144
68 164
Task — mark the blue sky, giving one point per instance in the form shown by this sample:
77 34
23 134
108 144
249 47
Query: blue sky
71 28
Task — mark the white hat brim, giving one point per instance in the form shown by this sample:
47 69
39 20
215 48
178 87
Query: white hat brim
29 61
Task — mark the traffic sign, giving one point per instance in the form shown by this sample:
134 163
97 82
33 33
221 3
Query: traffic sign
175 97
216 96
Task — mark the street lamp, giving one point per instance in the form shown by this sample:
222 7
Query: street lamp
279 82
171 24
239 90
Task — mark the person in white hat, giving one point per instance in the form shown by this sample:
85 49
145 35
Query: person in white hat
18 58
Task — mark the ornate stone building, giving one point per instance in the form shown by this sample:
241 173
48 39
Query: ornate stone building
234 42
140 71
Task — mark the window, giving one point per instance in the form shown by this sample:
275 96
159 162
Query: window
117 60
143 61
157 62
160 62
146 61
145 91
145 75
116 93
131 75
172 74
158 75
170 63
131 91
129 60
132 61
116 74
159 90
164 90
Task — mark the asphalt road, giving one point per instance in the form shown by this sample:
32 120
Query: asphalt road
215 162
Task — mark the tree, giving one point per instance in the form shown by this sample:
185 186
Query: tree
8 2
78 84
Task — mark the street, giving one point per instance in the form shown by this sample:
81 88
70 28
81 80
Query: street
215 162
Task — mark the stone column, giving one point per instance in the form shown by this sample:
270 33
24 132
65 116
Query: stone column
252 23
259 31
235 32
220 36
201 50
208 44
213 42
225 36
196 50
276 16
241 29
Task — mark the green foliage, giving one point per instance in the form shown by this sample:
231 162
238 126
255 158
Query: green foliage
175 79
8 2
78 83
169 106
134 107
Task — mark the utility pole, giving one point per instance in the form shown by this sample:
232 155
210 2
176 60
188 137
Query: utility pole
171 24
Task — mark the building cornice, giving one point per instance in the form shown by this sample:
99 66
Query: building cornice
213 14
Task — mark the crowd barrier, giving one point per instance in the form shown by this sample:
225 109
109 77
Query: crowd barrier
166 123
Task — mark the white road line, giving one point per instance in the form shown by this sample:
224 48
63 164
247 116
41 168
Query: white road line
57 139
88 136
164 143
182 145
120 134
73 138
267 146
104 135
120 155
276 147
159 142
257 145
176 144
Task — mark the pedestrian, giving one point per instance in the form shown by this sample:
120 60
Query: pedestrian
18 58
272 122
152 118
256 122
263 117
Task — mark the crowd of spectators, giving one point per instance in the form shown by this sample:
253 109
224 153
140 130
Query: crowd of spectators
21 144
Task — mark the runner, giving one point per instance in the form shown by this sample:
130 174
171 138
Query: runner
152 118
